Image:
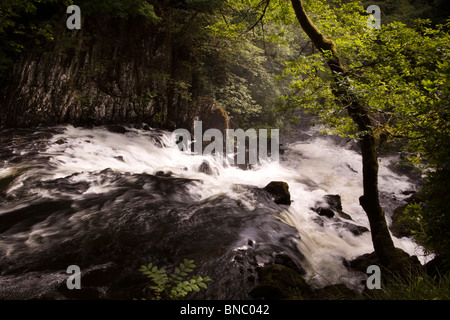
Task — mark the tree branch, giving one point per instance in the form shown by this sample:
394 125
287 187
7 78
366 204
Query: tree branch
261 16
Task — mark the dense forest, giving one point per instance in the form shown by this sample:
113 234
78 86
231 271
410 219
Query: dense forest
164 64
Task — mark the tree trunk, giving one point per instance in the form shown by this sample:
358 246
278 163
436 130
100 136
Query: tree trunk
382 241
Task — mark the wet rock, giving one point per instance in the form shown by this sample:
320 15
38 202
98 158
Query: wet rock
278 282
326 212
285 260
334 201
142 126
117 129
163 174
120 158
93 282
205 167
338 224
344 215
355 229
100 275
331 207
319 221
60 141
279 190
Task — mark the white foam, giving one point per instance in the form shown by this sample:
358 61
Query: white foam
312 169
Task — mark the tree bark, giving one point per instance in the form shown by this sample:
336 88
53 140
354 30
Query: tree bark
381 238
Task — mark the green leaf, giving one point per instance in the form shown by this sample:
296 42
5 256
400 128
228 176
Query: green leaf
173 284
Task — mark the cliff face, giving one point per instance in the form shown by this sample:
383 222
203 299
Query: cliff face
110 71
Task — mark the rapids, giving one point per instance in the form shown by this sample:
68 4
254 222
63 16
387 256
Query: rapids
91 197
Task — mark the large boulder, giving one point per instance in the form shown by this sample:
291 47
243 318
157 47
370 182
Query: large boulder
279 190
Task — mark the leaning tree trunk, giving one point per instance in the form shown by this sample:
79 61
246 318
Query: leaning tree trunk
381 238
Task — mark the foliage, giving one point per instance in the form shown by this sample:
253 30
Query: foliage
413 286
386 69
121 9
407 11
401 74
251 42
176 285
24 22
429 218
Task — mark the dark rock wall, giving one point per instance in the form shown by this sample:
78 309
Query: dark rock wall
110 71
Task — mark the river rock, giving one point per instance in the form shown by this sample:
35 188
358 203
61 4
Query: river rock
332 206
117 129
163 174
334 201
205 167
100 275
325 212
285 260
354 228
278 282
279 190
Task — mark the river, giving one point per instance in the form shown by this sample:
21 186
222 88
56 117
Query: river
109 202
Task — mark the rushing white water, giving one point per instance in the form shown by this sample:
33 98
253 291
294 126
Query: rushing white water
312 168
